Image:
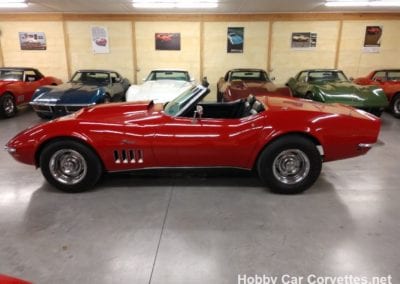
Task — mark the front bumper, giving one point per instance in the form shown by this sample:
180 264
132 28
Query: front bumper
57 109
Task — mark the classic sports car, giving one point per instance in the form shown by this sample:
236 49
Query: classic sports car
17 85
87 87
101 41
240 83
161 86
235 39
332 86
284 139
389 81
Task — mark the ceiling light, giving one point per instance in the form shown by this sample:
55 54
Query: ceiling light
171 4
13 4
347 3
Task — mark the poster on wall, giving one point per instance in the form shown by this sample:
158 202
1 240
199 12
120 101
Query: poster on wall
32 41
168 41
235 40
304 40
100 42
372 40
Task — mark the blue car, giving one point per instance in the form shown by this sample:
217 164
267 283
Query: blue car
87 87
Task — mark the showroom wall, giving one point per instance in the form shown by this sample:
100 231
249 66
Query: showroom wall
267 43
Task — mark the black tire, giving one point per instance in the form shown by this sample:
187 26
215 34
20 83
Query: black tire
107 99
44 116
309 96
395 106
220 96
8 108
283 153
59 155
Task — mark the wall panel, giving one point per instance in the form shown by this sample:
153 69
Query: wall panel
286 61
82 56
149 58
216 60
51 61
354 61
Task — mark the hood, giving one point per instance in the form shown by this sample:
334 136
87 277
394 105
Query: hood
257 88
352 94
160 91
280 103
118 112
69 93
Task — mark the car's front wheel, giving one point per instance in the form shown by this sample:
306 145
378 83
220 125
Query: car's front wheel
290 164
395 106
70 166
7 106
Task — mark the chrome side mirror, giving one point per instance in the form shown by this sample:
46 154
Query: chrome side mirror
198 113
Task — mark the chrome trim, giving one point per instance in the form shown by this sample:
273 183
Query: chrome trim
176 168
365 145
320 150
10 149
60 105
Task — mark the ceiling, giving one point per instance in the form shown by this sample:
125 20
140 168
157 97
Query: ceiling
225 7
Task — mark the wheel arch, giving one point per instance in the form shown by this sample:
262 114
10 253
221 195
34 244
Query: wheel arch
306 135
47 142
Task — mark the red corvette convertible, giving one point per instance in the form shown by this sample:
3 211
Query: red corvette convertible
389 81
284 139
17 86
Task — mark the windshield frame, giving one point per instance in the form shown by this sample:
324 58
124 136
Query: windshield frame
341 77
184 101
107 82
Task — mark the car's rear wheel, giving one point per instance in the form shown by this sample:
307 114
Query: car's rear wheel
107 99
70 166
309 96
395 106
290 164
220 95
8 107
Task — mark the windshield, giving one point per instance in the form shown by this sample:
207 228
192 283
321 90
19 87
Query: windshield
95 78
184 101
326 76
11 75
251 75
168 75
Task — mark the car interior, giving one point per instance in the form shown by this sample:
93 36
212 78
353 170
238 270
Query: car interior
236 109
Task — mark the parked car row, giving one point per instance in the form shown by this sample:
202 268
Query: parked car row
49 98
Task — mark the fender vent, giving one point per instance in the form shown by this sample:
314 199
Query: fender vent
129 156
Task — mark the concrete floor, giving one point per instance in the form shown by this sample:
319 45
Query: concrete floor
201 227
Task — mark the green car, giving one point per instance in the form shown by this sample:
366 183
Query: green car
332 86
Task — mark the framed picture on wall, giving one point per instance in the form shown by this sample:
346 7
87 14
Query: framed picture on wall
372 39
32 41
235 39
168 41
303 40
100 41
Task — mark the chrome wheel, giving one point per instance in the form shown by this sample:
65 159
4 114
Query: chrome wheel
291 166
68 166
8 105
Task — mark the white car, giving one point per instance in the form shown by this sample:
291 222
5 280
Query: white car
161 86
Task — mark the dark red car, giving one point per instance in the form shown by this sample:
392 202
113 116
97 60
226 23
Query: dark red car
17 85
240 83
389 81
285 140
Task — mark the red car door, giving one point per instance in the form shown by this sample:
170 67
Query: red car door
208 142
